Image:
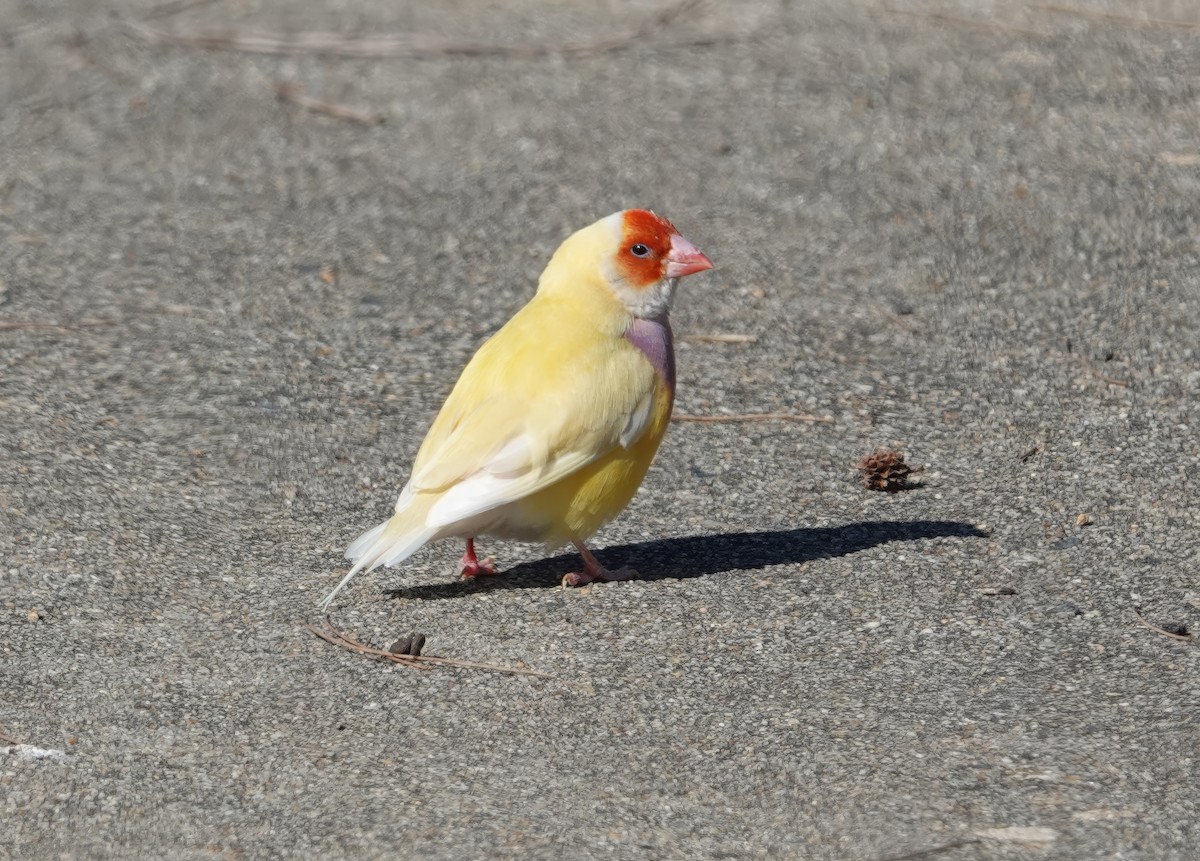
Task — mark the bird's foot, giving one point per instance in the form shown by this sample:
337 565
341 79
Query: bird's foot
601 574
593 570
478 568
470 567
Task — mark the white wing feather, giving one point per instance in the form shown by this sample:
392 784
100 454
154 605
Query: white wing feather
512 472
638 421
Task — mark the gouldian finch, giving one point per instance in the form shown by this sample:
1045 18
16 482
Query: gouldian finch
549 431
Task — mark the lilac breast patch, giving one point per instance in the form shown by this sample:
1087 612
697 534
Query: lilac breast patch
654 339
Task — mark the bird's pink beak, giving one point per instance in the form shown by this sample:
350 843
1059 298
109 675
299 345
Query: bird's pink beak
685 258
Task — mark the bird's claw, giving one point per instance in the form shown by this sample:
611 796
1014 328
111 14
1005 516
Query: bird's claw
472 568
603 575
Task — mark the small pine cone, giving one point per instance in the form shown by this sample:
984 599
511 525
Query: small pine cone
884 469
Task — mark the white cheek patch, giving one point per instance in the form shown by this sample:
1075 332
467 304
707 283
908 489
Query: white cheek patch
648 303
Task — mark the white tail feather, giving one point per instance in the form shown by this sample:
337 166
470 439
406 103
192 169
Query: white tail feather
358 549
377 547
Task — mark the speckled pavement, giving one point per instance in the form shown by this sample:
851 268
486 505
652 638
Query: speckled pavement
964 231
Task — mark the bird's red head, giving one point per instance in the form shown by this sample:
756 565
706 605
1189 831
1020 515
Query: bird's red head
652 250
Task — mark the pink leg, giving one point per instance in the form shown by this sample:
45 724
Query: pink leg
472 567
593 570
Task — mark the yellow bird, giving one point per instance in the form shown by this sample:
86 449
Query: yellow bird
555 420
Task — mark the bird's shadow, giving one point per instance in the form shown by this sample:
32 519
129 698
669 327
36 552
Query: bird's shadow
698 555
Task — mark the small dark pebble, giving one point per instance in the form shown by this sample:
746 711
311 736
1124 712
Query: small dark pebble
410 645
1177 628
1069 607
1065 543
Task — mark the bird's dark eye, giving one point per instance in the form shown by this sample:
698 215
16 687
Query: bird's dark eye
639 250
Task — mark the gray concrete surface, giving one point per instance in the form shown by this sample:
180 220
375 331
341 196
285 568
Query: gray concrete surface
969 231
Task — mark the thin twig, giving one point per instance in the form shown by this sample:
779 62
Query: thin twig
62 327
752 417
1180 159
1113 381
934 850
1141 620
289 91
330 634
1124 18
8 739
337 638
959 21
898 319
720 338
401 45
174 7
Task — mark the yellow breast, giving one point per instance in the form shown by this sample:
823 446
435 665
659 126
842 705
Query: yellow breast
575 507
